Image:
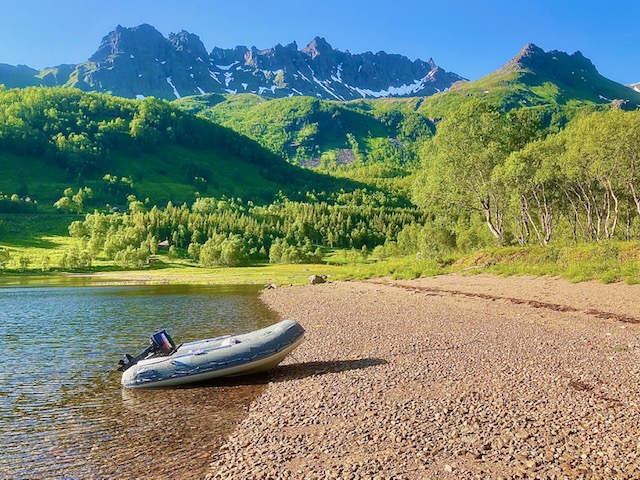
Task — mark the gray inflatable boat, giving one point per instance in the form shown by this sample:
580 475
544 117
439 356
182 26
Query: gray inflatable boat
165 365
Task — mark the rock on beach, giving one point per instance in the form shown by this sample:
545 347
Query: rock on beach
456 377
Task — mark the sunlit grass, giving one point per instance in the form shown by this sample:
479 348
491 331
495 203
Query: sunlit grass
607 262
262 275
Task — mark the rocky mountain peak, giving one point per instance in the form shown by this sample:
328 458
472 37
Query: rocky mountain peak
526 56
317 46
581 61
563 76
127 40
529 50
188 42
226 56
553 64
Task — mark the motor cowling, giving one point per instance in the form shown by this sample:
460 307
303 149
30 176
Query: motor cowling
161 345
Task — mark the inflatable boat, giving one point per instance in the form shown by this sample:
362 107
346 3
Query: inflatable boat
163 364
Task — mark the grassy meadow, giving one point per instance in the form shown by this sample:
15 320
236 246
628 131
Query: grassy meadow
42 240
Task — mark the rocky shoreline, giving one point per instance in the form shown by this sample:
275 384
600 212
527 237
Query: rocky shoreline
452 377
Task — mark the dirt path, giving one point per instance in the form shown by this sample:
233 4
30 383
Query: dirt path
449 377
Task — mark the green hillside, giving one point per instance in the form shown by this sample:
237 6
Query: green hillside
304 128
540 155
52 139
152 173
535 78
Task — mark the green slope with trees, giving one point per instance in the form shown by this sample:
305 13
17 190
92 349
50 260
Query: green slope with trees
495 179
52 139
375 143
555 82
303 128
137 162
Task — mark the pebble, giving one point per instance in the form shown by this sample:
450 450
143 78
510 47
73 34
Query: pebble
402 384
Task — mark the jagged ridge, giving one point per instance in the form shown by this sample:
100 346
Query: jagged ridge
140 61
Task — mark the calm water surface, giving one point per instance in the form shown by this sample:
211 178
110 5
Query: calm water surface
63 413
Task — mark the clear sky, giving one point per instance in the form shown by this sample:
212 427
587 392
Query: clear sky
470 38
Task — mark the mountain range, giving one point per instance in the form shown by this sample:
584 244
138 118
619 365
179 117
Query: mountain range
138 62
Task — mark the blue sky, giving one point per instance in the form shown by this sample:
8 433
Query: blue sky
470 38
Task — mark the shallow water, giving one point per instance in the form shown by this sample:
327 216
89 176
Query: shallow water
63 413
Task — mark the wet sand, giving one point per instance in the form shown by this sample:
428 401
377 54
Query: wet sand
449 377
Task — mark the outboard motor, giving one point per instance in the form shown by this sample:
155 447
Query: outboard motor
161 345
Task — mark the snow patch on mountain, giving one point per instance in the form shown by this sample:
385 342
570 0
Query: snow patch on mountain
326 89
227 67
303 77
214 75
402 90
175 90
263 90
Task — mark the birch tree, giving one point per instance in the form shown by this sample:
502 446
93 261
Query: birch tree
534 180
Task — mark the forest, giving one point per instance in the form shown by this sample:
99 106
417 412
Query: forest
52 139
230 232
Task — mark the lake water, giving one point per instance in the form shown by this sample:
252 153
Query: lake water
63 413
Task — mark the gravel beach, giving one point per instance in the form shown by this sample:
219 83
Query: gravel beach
449 377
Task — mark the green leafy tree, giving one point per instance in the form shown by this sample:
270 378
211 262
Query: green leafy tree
64 204
463 162
460 164
233 252
24 261
71 202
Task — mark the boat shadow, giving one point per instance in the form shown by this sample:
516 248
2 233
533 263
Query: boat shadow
298 371
291 371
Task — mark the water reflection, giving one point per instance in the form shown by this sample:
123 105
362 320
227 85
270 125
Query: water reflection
61 404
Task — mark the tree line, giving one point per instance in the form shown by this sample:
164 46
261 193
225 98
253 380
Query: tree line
529 184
